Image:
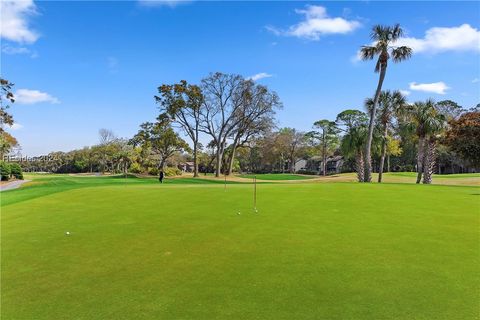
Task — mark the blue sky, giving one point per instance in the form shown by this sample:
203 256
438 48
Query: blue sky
82 66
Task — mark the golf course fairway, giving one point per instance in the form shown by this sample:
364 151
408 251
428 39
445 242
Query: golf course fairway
141 250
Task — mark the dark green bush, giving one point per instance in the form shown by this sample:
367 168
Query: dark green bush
16 171
5 171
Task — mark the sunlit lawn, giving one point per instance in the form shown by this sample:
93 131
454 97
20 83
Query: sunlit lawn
141 250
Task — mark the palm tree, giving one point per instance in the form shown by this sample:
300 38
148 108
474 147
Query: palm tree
428 124
390 104
384 37
352 145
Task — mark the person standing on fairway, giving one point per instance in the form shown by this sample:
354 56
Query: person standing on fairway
160 176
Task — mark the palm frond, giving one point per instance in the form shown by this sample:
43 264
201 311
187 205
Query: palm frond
401 53
368 52
396 32
379 32
369 105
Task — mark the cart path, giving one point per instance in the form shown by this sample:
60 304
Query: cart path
12 185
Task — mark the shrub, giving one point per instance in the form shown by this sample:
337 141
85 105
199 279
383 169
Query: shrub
135 167
172 171
16 171
5 171
153 171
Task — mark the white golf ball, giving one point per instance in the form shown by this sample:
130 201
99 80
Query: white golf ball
67 233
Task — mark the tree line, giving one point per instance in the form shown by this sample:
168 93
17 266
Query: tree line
228 123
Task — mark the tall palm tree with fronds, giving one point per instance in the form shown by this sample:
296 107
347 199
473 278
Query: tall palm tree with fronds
384 38
390 105
428 124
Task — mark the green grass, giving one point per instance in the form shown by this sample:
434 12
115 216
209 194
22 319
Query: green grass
53 183
140 250
277 176
445 176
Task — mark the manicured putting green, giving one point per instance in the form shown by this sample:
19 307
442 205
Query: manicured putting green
277 176
141 250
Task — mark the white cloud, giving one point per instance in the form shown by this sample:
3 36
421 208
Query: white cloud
14 22
15 126
26 96
11 50
357 57
435 87
162 3
14 50
317 23
259 76
475 80
405 92
461 38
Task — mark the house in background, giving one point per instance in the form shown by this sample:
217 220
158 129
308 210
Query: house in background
314 165
301 165
334 164
186 166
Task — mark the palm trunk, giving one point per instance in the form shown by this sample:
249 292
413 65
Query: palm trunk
429 165
420 158
384 151
388 163
359 166
368 147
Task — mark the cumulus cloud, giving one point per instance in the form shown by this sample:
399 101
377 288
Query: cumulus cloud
461 38
14 22
316 23
435 87
436 40
475 80
27 96
405 92
259 76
